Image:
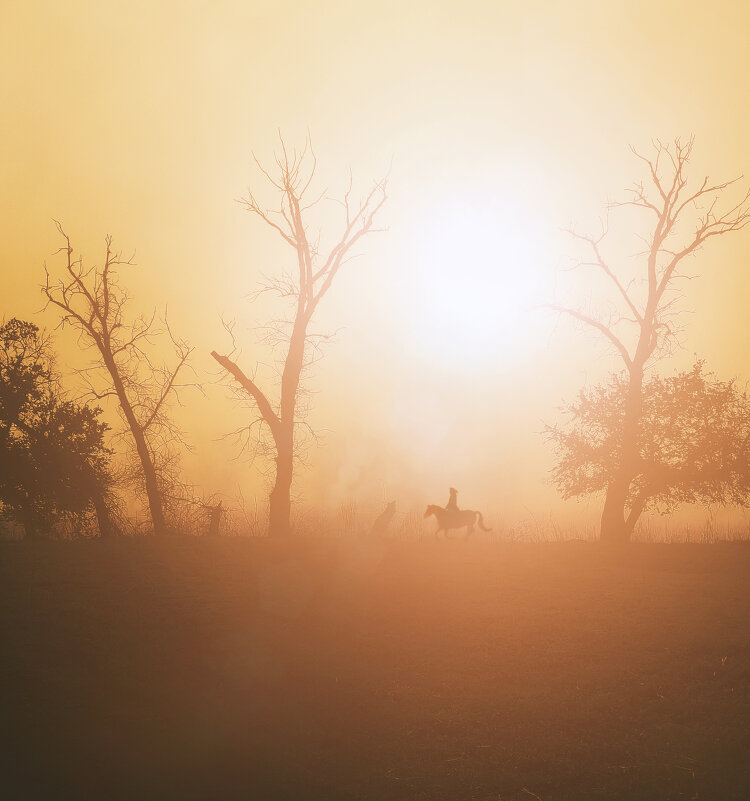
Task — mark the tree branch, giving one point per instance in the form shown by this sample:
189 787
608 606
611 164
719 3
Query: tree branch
609 334
251 388
594 243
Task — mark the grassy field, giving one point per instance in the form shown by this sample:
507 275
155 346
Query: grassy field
245 669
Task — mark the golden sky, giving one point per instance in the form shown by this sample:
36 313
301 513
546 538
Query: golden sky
504 121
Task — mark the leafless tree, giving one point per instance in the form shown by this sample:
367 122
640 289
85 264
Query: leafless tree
92 300
312 277
684 216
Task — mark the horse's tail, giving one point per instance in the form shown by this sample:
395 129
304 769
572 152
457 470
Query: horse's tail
481 522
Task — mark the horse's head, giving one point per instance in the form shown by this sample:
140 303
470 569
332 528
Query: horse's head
430 510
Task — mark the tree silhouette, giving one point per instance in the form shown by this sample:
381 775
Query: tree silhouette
311 279
693 443
93 301
53 461
683 218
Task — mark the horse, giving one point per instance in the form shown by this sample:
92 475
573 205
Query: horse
463 518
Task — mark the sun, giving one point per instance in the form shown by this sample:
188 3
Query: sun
474 283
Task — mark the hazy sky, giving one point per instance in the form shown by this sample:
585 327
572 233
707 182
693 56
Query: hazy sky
505 122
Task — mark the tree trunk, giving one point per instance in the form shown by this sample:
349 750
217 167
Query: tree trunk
616 525
149 472
279 510
106 529
613 528
281 425
152 486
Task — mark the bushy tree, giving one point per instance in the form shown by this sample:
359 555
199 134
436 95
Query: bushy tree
683 216
693 443
53 460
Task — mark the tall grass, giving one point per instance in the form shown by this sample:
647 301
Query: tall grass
353 518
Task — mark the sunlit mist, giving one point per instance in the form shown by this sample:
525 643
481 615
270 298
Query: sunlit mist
474 286
374 400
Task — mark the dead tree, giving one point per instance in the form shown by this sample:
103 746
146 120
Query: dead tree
311 279
92 300
683 219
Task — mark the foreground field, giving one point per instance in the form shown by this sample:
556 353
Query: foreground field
241 669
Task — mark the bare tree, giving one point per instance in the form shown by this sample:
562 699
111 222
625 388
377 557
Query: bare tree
311 279
684 218
92 300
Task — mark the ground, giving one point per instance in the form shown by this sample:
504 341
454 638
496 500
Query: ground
392 671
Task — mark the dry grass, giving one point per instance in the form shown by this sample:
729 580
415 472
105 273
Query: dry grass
333 668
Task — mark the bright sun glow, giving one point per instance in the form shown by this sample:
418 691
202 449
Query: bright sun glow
476 278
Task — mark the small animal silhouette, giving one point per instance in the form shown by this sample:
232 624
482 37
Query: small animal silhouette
383 520
448 519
